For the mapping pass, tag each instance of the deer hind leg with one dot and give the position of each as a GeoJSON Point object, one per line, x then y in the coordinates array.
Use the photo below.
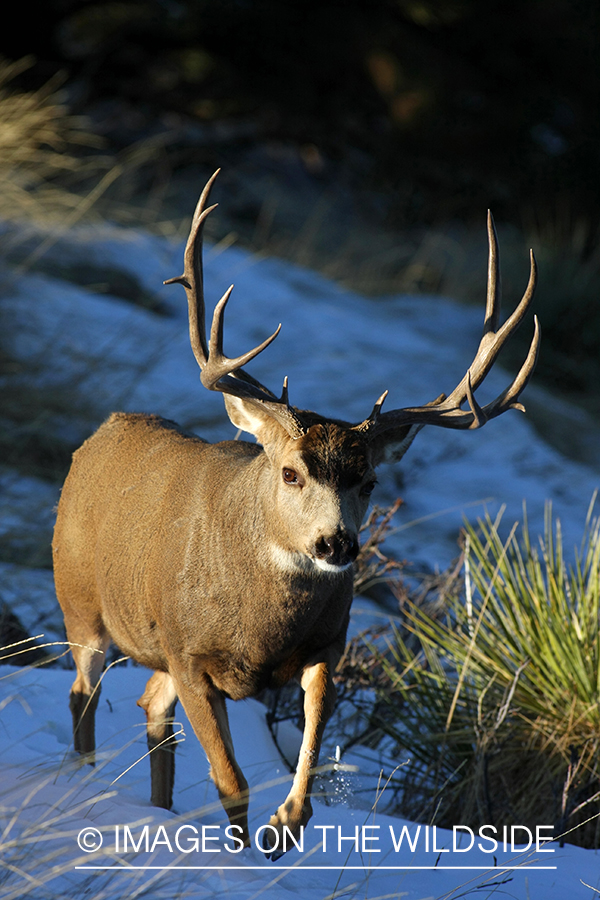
{"type": "Point", "coordinates": [158, 701]}
{"type": "Point", "coordinates": [296, 810]}
{"type": "Point", "coordinates": [206, 710]}
{"type": "Point", "coordinates": [89, 659]}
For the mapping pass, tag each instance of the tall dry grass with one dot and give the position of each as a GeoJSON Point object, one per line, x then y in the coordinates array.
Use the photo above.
{"type": "Point", "coordinates": [42, 149]}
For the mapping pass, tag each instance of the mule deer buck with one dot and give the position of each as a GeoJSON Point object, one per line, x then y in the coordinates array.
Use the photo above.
{"type": "Point", "coordinates": [227, 567]}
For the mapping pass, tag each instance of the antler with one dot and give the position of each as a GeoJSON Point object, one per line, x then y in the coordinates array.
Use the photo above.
{"type": "Point", "coordinates": [447, 411]}
{"type": "Point", "coordinates": [220, 373]}
{"type": "Point", "coordinates": [217, 371]}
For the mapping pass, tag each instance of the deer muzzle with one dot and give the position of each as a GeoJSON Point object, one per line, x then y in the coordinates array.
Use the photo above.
{"type": "Point", "coordinates": [337, 551]}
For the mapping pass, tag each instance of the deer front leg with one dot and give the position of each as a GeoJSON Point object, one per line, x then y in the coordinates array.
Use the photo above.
{"type": "Point", "coordinates": [296, 810]}
{"type": "Point", "coordinates": [158, 701]}
{"type": "Point", "coordinates": [206, 710]}
{"type": "Point", "coordinates": [89, 655]}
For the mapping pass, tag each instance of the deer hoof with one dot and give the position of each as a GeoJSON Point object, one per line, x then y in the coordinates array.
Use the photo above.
{"type": "Point", "coordinates": [271, 852]}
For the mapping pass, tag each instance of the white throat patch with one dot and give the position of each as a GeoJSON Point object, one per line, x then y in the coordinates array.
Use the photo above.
{"type": "Point", "coordinates": [329, 567]}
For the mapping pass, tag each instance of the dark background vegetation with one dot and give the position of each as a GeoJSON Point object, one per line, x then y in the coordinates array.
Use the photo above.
{"type": "Point", "coordinates": [447, 103]}
{"type": "Point", "coordinates": [355, 127]}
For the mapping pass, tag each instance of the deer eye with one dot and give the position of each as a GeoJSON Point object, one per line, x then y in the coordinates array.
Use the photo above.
{"type": "Point", "coordinates": [368, 488]}
{"type": "Point", "coordinates": [290, 476]}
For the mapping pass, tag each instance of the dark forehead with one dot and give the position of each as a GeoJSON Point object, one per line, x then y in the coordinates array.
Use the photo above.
{"type": "Point", "coordinates": [335, 455]}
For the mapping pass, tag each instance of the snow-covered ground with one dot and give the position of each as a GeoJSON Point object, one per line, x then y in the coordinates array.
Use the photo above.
{"type": "Point", "coordinates": [340, 352]}
{"type": "Point", "coordinates": [348, 851]}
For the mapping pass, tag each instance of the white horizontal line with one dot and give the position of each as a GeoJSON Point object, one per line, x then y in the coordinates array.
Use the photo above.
{"type": "Point", "coordinates": [492, 870]}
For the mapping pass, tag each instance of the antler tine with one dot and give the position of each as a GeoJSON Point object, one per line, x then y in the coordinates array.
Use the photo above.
{"type": "Point", "coordinates": [219, 365]}
{"type": "Point", "coordinates": [509, 398]}
{"type": "Point", "coordinates": [193, 276]}
{"type": "Point", "coordinates": [494, 289]}
{"type": "Point", "coordinates": [371, 420]}
{"type": "Point", "coordinates": [447, 411]}
{"type": "Point", "coordinates": [518, 314]}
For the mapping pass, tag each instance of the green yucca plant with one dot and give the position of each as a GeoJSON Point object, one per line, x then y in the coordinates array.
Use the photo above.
{"type": "Point", "coordinates": [498, 699]}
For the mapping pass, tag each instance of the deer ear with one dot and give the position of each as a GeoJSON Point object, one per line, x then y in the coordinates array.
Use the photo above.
{"type": "Point", "coordinates": [391, 445]}
{"type": "Point", "coordinates": [250, 416]}
{"type": "Point", "coordinates": [244, 415]}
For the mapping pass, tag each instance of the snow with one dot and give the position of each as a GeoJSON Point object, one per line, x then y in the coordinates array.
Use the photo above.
{"type": "Point", "coordinates": [340, 352]}
{"type": "Point", "coordinates": [51, 802]}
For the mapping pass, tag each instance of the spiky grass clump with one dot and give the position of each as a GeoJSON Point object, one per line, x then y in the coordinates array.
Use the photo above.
{"type": "Point", "coordinates": [498, 699]}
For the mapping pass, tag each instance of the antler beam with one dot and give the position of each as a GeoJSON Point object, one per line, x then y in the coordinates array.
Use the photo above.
{"type": "Point", "coordinates": [217, 371]}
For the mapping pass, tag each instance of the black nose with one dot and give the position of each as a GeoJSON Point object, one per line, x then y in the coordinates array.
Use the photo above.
{"type": "Point", "coordinates": [337, 550]}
